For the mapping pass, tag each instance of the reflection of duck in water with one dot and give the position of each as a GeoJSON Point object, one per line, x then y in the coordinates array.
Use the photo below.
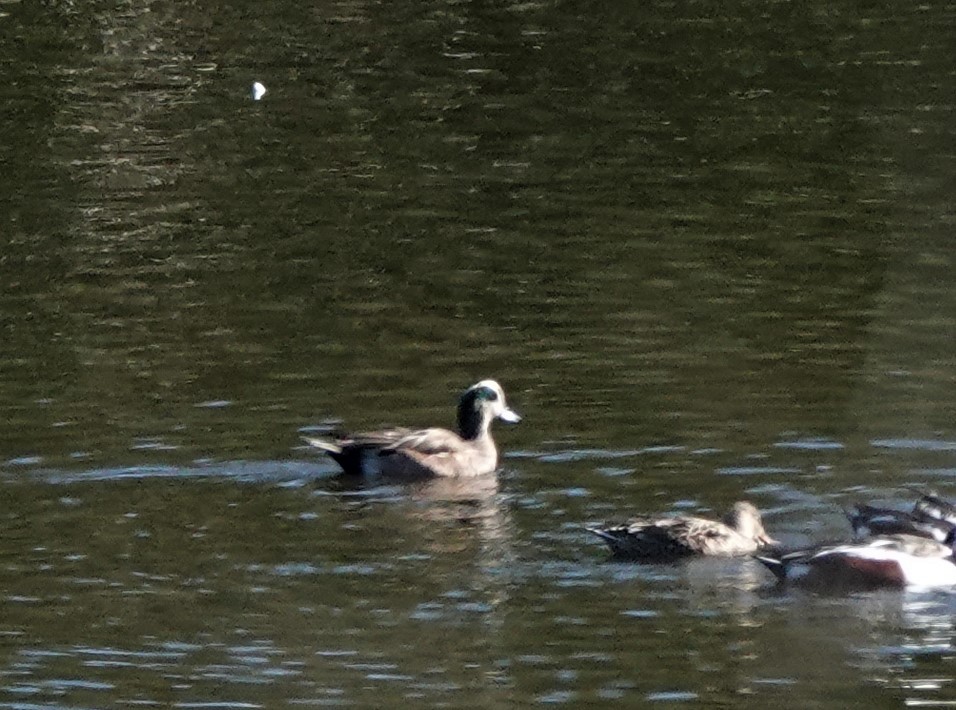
{"type": "Point", "coordinates": [887, 561]}
{"type": "Point", "coordinates": [425, 453]}
{"type": "Point", "coordinates": [740, 533]}
{"type": "Point", "coordinates": [932, 517]}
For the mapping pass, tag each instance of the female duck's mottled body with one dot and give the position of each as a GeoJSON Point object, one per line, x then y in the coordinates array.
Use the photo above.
{"type": "Point", "coordinates": [886, 561]}
{"type": "Point", "coordinates": [740, 533]}
{"type": "Point", "coordinates": [424, 453]}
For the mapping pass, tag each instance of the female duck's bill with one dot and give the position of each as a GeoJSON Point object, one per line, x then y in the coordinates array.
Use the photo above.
{"type": "Point", "coordinates": [740, 533]}
{"type": "Point", "coordinates": [412, 454]}
{"type": "Point", "coordinates": [887, 561]}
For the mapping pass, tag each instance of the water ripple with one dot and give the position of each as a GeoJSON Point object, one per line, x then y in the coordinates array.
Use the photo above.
{"type": "Point", "coordinates": [241, 471]}
{"type": "Point", "coordinates": [918, 444]}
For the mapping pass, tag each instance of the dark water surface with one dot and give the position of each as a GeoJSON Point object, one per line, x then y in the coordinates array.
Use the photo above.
{"type": "Point", "coordinates": [710, 256]}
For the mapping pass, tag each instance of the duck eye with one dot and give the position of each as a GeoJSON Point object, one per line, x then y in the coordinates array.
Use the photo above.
{"type": "Point", "coordinates": [490, 395]}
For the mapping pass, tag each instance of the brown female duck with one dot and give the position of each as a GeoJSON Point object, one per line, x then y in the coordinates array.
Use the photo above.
{"type": "Point", "coordinates": [740, 533]}
{"type": "Point", "coordinates": [425, 453]}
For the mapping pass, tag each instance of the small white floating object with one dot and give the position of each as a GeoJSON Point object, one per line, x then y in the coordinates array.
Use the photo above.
{"type": "Point", "coordinates": [258, 90]}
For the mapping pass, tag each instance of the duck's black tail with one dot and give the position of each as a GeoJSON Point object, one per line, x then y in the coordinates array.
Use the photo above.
{"type": "Point", "coordinates": [775, 565]}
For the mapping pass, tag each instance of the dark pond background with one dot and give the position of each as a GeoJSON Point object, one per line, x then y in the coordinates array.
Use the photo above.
{"type": "Point", "coordinates": [707, 248]}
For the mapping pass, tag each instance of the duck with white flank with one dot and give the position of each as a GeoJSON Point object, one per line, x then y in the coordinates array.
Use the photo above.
{"type": "Point", "coordinates": [886, 561]}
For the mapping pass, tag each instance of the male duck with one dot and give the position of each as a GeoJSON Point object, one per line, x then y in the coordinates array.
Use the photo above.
{"type": "Point", "coordinates": [930, 505]}
{"type": "Point", "coordinates": [932, 517]}
{"type": "Point", "coordinates": [426, 453]}
{"type": "Point", "coordinates": [886, 561]}
{"type": "Point", "coordinates": [740, 533]}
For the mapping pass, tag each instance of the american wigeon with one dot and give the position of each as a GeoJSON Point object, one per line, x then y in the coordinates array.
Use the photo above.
{"type": "Point", "coordinates": [424, 453]}
{"type": "Point", "coordinates": [932, 517]}
{"type": "Point", "coordinates": [740, 533]}
{"type": "Point", "coordinates": [886, 561]}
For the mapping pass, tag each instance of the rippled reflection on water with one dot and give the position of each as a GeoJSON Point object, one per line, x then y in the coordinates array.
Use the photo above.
{"type": "Point", "coordinates": [245, 584]}
{"type": "Point", "coordinates": [707, 252]}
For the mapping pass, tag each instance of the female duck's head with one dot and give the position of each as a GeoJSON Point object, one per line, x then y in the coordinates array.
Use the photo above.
{"type": "Point", "coordinates": [745, 519]}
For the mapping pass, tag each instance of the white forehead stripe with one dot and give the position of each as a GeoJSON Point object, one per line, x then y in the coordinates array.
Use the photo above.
{"type": "Point", "coordinates": [490, 384]}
